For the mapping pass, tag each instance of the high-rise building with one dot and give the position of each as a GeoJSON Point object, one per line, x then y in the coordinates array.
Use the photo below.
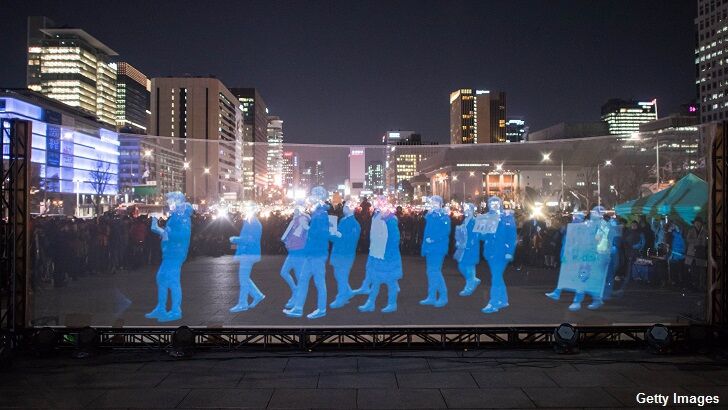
{"type": "Point", "coordinates": [477, 116]}
{"type": "Point", "coordinates": [357, 171]}
{"type": "Point", "coordinates": [711, 82]}
{"type": "Point", "coordinates": [291, 170]}
{"type": "Point", "coordinates": [71, 66]}
{"type": "Point", "coordinates": [312, 175]}
{"type": "Point", "coordinates": [274, 156]}
{"type": "Point", "coordinates": [132, 99]}
{"type": "Point", "coordinates": [375, 177]}
{"type": "Point", "coordinates": [625, 116]}
{"type": "Point", "coordinates": [206, 122]}
{"type": "Point", "coordinates": [148, 170]}
{"type": "Point", "coordinates": [516, 130]}
{"type": "Point", "coordinates": [405, 150]}
{"type": "Point", "coordinates": [255, 137]}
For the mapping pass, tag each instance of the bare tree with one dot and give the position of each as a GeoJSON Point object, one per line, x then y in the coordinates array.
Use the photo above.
{"type": "Point", "coordinates": [100, 178]}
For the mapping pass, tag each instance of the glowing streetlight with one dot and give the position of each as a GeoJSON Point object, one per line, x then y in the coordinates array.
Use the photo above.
{"type": "Point", "coordinates": [607, 163]}
{"type": "Point", "coordinates": [207, 170]}
{"type": "Point", "coordinates": [186, 165]}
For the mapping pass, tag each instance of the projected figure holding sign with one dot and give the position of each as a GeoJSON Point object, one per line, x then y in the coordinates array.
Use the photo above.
{"type": "Point", "coordinates": [467, 252]}
{"type": "Point", "coordinates": [434, 248]}
{"type": "Point", "coordinates": [295, 240]}
{"type": "Point", "coordinates": [248, 254]}
{"type": "Point", "coordinates": [385, 262]}
{"type": "Point", "coordinates": [316, 252]}
{"type": "Point", "coordinates": [585, 260]}
{"type": "Point", "coordinates": [345, 239]}
{"type": "Point", "coordinates": [499, 245]}
{"type": "Point", "coordinates": [175, 243]}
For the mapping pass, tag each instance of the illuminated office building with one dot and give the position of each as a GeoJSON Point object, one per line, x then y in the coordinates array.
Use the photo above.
{"type": "Point", "coordinates": [477, 116]}
{"type": "Point", "coordinates": [274, 156]}
{"type": "Point", "coordinates": [625, 116]}
{"type": "Point", "coordinates": [132, 99]}
{"type": "Point", "coordinates": [375, 177]}
{"type": "Point", "coordinates": [148, 170]}
{"type": "Point", "coordinates": [255, 138]}
{"type": "Point", "coordinates": [312, 175]}
{"type": "Point", "coordinates": [516, 130]}
{"type": "Point", "coordinates": [291, 170]}
{"type": "Point", "coordinates": [711, 26]}
{"type": "Point", "coordinates": [71, 66]}
{"type": "Point", "coordinates": [205, 120]}
{"type": "Point", "coordinates": [404, 152]}
{"type": "Point", "coordinates": [74, 157]}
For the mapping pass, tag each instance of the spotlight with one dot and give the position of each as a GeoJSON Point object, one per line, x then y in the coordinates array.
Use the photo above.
{"type": "Point", "coordinates": [86, 342]}
{"type": "Point", "coordinates": [44, 341]}
{"type": "Point", "coordinates": [659, 339]}
{"type": "Point", "coordinates": [183, 342]}
{"type": "Point", "coordinates": [566, 338]}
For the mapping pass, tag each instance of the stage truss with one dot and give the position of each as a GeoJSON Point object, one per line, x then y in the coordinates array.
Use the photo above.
{"type": "Point", "coordinates": [718, 251]}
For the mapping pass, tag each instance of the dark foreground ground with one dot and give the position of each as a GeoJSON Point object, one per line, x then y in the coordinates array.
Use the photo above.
{"type": "Point", "coordinates": [210, 288]}
{"type": "Point", "coordinates": [355, 379]}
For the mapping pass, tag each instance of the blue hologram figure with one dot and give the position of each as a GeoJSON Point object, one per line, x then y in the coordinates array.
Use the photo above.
{"type": "Point", "coordinates": [599, 249]}
{"type": "Point", "coordinates": [467, 252]}
{"type": "Point", "coordinates": [499, 246]}
{"type": "Point", "coordinates": [294, 239]}
{"type": "Point", "coordinates": [434, 248]}
{"type": "Point", "coordinates": [175, 244]}
{"type": "Point", "coordinates": [248, 254]}
{"type": "Point", "coordinates": [316, 253]}
{"type": "Point", "coordinates": [343, 254]}
{"type": "Point", "coordinates": [384, 263]}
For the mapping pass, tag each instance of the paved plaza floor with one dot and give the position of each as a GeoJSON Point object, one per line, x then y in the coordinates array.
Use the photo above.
{"type": "Point", "coordinates": [419, 379]}
{"type": "Point", "coordinates": [210, 288]}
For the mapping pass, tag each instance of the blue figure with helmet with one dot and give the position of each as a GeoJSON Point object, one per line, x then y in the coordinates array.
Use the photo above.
{"type": "Point", "coordinates": [499, 246]}
{"type": "Point", "coordinates": [316, 253]}
{"type": "Point", "coordinates": [435, 246]}
{"type": "Point", "coordinates": [467, 250]}
{"type": "Point", "coordinates": [384, 264]}
{"type": "Point", "coordinates": [343, 253]}
{"type": "Point", "coordinates": [248, 254]}
{"type": "Point", "coordinates": [175, 244]}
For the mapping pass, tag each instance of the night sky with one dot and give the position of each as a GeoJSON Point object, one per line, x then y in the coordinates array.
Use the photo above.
{"type": "Point", "coordinates": [345, 71]}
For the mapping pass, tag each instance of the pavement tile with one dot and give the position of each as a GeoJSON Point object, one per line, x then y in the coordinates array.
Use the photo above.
{"type": "Point", "coordinates": [253, 364]}
{"type": "Point", "coordinates": [357, 380]}
{"type": "Point", "coordinates": [71, 398]}
{"type": "Point", "coordinates": [108, 380]}
{"type": "Point", "coordinates": [219, 398]}
{"type": "Point", "coordinates": [717, 377]}
{"type": "Point", "coordinates": [313, 398]}
{"type": "Point", "coordinates": [181, 366]}
{"type": "Point", "coordinates": [435, 380]}
{"type": "Point", "coordinates": [513, 378]}
{"type": "Point", "coordinates": [590, 378]}
{"type": "Point", "coordinates": [667, 378]}
{"type": "Point", "coordinates": [23, 399]}
{"type": "Point", "coordinates": [220, 379]}
{"type": "Point", "coordinates": [399, 399]}
{"type": "Point", "coordinates": [490, 398]}
{"type": "Point", "coordinates": [367, 364]}
{"type": "Point", "coordinates": [570, 397]}
{"type": "Point", "coordinates": [140, 398]}
{"type": "Point", "coordinates": [279, 381]}
{"type": "Point", "coordinates": [322, 364]}
{"type": "Point", "coordinates": [627, 395]}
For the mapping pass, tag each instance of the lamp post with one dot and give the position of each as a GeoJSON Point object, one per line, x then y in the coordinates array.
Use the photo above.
{"type": "Point", "coordinates": [599, 180]}
{"type": "Point", "coordinates": [78, 188]}
{"type": "Point", "coordinates": [546, 157]}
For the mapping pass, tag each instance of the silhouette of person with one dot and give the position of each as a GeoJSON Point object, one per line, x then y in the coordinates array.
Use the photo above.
{"type": "Point", "coordinates": [434, 248]}
{"type": "Point", "coordinates": [248, 254]}
{"type": "Point", "coordinates": [467, 253]}
{"type": "Point", "coordinates": [343, 254]}
{"type": "Point", "coordinates": [499, 247]}
{"type": "Point", "coordinates": [294, 239]}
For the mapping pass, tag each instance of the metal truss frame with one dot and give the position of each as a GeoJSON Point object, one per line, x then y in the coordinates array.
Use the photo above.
{"type": "Point", "coordinates": [717, 305]}
{"type": "Point", "coordinates": [374, 338]}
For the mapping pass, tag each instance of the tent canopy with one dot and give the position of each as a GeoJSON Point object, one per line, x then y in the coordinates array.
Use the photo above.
{"type": "Point", "coordinates": [683, 201]}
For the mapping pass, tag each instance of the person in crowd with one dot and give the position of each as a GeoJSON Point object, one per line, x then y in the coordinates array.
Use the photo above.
{"type": "Point", "coordinates": [384, 263]}
{"type": "Point", "coordinates": [434, 249]}
{"type": "Point", "coordinates": [696, 256]}
{"type": "Point", "coordinates": [294, 239]}
{"type": "Point", "coordinates": [499, 245]}
{"type": "Point", "coordinates": [247, 253]}
{"type": "Point", "coordinates": [532, 237]}
{"type": "Point", "coordinates": [676, 258]}
{"type": "Point", "coordinates": [316, 253]}
{"type": "Point", "coordinates": [343, 253]}
{"type": "Point", "coordinates": [633, 241]}
{"type": "Point", "coordinates": [467, 253]}
{"type": "Point", "coordinates": [648, 234]}
{"type": "Point", "coordinates": [175, 243]}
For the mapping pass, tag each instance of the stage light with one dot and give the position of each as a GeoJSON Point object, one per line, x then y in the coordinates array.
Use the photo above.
{"type": "Point", "coordinates": [86, 342]}
{"type": "Point", "coordinates": [44, 341]}
{"type": "Point", "coordinates": [183, 342]}
{"type": "Point", "coordinates": [566, 339]}
{"type": "Point", "coordinates": [659, 338]}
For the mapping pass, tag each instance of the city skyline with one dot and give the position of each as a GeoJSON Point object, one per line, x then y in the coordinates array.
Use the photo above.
{"type": "Point", "coordinates": [658, 65]}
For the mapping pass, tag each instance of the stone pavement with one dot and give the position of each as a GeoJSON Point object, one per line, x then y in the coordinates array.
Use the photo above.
{"type": "Point", "coordinates": [359, 379]}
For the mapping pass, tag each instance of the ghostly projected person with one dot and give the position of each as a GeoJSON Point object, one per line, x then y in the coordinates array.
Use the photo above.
{"type": "Point", "coordinates": [499, 246]}
{"type": "Point", "coordinates": [384, 263]}
{"type": "Point", "coordinates": [175, 243]}
{"type": "Point", "coordinates": [316, 252]}
{"type": "Point", "coordinates": [248, 254]}
{"type": "Point", "coordinates": [343, 253]}
{"type": "Point", "coordinates": [467, 250]}
{"type": "Point", "coordinates": [436, 241]}
{"type": "Point", "coordinates": [294, 239]}
{"type": "Point", "coordinates": [585, 260]}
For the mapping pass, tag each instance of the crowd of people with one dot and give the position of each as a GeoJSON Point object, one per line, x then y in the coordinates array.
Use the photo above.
{"type": "Point", "coordinates": [659, 252]}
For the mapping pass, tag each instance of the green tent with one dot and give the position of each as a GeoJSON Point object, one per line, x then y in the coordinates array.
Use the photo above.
{"type": "Point", "coordinates": [683, 201]}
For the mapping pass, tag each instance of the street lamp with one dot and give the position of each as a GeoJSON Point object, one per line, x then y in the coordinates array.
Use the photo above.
{"type": "Point", "coordinates": [78, 188]}
{"type": "Point", "coordinates": [599, 180]}
{"type": "Point", "coordinates": [546, 157]}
